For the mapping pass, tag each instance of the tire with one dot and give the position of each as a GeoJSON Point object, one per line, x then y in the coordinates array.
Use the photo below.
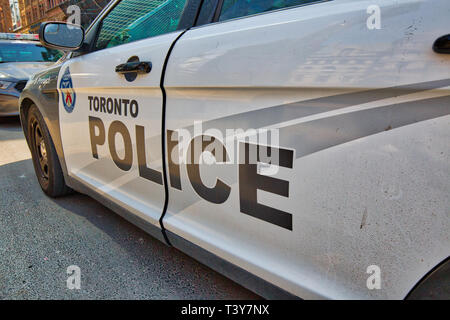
{"type": "Point", "coordinates": [45, 159]}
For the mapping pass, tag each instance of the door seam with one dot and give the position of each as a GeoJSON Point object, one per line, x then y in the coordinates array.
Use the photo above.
{"type": "Point", "coordinates": [164, 138]}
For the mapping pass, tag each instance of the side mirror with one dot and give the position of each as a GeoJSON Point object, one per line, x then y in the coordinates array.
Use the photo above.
{"type": "Point", "coordinates": [61, 35]}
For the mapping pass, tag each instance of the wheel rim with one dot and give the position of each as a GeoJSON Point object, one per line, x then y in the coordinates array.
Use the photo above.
{"type": "Point", "coordinates": [40, 150]}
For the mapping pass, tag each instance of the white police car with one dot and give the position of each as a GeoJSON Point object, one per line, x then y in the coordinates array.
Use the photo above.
{"type": "Point", "coordinates": [299, 147]}
{"type": "Point", "coordinates": [20, 56]}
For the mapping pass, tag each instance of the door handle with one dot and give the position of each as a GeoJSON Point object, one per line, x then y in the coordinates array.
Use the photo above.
{"type": "Point", "coordinates": [442, 44]}
{"type": "Point", "coordinates": [134, 67]}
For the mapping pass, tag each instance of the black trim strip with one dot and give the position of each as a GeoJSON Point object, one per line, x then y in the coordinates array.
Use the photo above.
{"type": "Point", "coordinates": [199, 9]}
{"type": "Point", "coordinates": [163, 138]}
{"type": "Point", "coordinates": [209, 15]}
{"type": "Point", "coordinates": [190, 14]}
{"type": "Point", "coordinates": [218, 11]}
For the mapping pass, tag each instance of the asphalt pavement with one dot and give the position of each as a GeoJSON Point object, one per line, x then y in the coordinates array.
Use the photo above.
{"type": "Point", "coordinates": [41, 237]}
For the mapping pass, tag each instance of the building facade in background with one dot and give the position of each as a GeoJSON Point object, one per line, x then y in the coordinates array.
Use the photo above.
{"type": "Point", "coordinates": [34, 12]}
{"type": "Point", "coordinates": [5, 16]}
{"type": "Point", "coordinates": [26, 16]}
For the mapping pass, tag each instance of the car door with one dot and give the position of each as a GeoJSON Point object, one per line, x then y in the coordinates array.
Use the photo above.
{"type": "Point", "coordinates": [354, 110]}
{"type": "Point", "coordinates": [111, 121]}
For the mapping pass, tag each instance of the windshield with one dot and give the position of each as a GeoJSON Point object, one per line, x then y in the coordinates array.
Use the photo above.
{"type": "Point", "coordinates": [27, 52]}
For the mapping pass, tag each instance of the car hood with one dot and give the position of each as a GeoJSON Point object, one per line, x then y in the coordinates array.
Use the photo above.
{"type": "Point", "coordinates": [21, 70]}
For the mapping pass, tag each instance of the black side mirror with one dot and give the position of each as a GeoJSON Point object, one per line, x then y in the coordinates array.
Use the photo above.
{"type": "Point", "coordinates": [61, 36]}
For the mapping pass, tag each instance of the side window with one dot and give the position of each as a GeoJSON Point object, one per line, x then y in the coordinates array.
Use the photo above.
{"type": "Point", "coordinates": [133, 20]}
{"type": "Point", "coordinates": [240, 8]}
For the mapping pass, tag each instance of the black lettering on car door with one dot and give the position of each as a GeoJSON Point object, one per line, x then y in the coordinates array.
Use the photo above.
{"type": "Point", "coordinates": [250, 181]}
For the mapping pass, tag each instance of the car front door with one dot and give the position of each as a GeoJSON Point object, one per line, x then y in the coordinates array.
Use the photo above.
{"type": "Point", "coordinates": [110, 119]}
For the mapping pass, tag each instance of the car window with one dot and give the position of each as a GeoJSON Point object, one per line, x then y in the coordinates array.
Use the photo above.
{"type": "Point", "coordinates": [133, 20]}
{"type": "Point", "coordinates": [240, 8]}
{"type": "Point", "coordinates": [27, 52]}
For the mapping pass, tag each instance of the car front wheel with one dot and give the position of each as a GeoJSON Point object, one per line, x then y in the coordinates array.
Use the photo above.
{"type": "Point", "coordinates": [45, 159]}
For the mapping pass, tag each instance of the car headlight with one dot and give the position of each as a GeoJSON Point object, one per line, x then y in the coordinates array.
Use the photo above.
{"type": "Point", "coordinates": [5, 84]}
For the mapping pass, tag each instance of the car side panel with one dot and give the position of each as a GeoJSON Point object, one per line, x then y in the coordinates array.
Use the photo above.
{"type": "Point", "coordinates": [365, 114]}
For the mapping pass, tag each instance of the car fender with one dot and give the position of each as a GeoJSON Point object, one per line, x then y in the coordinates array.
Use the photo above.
{"type": "Point", "coordinates": [42, 91]}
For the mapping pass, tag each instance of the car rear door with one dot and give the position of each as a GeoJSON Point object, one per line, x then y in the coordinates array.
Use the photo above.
{"type": "Point", "coordinates": [355, 110]}
{"type": "Point", "coordinates": [111, 121]}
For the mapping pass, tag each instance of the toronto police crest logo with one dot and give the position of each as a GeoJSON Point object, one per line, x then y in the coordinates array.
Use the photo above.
{"type": "Point", "coordinates": [67, 92]}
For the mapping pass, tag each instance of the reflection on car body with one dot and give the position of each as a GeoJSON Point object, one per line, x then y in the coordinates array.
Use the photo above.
{"type": "Point", "coordinates": [20, 59]}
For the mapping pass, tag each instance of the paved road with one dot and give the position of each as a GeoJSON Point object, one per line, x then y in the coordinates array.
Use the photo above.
{"type": "Point", "coordinates": [40, 237]}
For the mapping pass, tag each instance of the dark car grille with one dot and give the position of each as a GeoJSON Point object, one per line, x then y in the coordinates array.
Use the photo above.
{"type": "Point", "coordinates": [20, 85]}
